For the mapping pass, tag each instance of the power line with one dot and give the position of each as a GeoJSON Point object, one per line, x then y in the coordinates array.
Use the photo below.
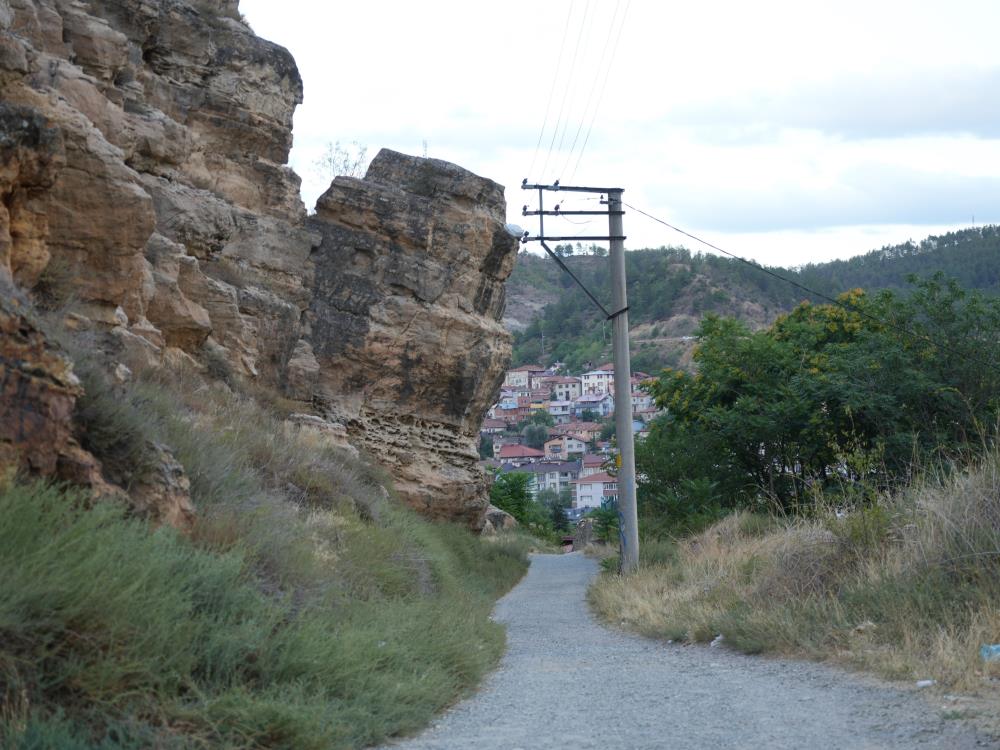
{"type": "Point", "coordinates": [604, 85]}
{"type": "Point", "coordinates": [900, 328]}
{"type": "Point", "coordinates": [574, 85]}
{"type": "Point", "coordinates": [593, 87]}
{"type": "Point", "coordinates": [552, 91]}
{"type": "Point", "coordinates": [562, 104]}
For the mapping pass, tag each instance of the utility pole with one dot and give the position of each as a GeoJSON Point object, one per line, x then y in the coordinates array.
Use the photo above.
{"type": "Point", "coordinates": [628, 522]}
{"type": "Point", "coordinates": [628, 516]}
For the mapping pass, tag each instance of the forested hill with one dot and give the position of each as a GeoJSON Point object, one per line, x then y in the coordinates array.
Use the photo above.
{"type": "Point", "coordinates": [670, 289]}
{"type": "Point", "coordinates": [971, 256]}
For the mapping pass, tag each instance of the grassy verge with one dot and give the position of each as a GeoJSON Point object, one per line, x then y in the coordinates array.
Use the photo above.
{"type": "Point", "coordinates": [306, 610]}
{"type": "Point", "coordinates": [908, 588]}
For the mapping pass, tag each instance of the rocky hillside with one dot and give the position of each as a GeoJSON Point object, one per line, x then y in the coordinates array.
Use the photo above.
{"type": "Point", "coordinates": [144, 194]}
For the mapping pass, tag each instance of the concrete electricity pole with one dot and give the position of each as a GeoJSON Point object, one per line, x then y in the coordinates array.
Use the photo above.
{"type": "Point", "coordinates": [628, 522]}
{"type": "Point", "coordinates": [628, 517]}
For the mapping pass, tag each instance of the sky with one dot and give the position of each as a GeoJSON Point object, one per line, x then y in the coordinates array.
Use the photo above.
{"type": "Point", "coordinates": [786, 132]}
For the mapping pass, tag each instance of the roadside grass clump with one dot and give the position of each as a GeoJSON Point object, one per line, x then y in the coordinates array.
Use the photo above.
{"type": "Point", "coordinates": [906, 586]}
{"type": "Point", "coordinates": [307, 608]}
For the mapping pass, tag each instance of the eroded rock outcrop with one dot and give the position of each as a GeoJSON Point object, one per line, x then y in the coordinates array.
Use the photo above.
{"type": "Point", "coordinates": [160, 191]}
{"type": "Point", "coordinates": [405, 321]}
{"type": "Point", "coordinates": [143, 178]}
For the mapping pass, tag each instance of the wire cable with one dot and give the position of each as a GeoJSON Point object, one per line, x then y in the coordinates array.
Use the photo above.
{"type": "Point", "coordinates": [900, 328]}
{"type": "Point", "coordinates": [593, 87]}
{"type": "Point", "coordinates": [575, 83]}
{"type": "Point", "coordinates": [552, 91]}
{"type": "Point", "coordinates": [604, 85]}
{"type": "Point", "coordinates": [562, 105]}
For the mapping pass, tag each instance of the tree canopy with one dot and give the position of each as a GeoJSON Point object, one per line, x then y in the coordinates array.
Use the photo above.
{"type": "Point", "coordinates": [829, 396]}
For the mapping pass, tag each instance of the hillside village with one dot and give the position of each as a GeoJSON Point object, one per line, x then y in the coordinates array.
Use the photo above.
{"type": "Point", "coordinates": [557, 428]}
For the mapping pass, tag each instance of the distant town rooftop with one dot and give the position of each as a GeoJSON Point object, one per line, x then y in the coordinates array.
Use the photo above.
{"type": "Point", "coordinates": [602, 477]}
{"type": "Point", "coordinates": [520, 451]}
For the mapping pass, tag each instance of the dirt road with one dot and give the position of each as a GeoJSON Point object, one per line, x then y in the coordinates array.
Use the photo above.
{"type": "Point", "coordinates": [568, 682]}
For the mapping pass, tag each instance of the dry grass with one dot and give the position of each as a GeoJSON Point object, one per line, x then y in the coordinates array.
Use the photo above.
{"type": "Point", "coordinates": [908, 588]}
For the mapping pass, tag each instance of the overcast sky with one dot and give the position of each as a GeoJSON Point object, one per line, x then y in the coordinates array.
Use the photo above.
{"type": "Point", "coordinates": [788, 132]}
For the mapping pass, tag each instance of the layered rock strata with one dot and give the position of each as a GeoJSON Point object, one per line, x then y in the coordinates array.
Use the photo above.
{"type": "Point", "coordinates": [143, 185]}
{"type": "Point", "coordinates": [405, 321]}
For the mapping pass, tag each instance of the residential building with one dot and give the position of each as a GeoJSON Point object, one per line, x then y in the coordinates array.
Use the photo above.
{"type": "Point", "coordinates": [536, 381]}
{"type": "Point", "coordinates": [563, 387]}
{"type": "Point", "coordinates": [508, 400]}
{"type": "Point", "coordinates": [493, 426]}
{"type": "Point", "coordinates": [502, 439]}
{"type": "Point", "coordinates": [561, 411]}
{"type": "Point", "coordinates": [509, 416]}
{"type": "Point", "coordinates": [520, 377]}
{"type": "Point", "coordinates": [563, 446]}
{"type": "Point", "coordinates": [523, 408]}
{"type": "Point", "coordinates": [540, 394]}
{"type": "Point", "coordinates": [585, 431]}
{"type": "Point", "coordinates": [640, 401]}
{"type": "Point", "coordinates": [602, 404]}
{"type": "Point", "coordinates": [548, 475]}
{"type": "Point", "coordinates": [600, 380]}
{"type": "Point", "coordinates": [591, 464]}
{"type": "Point", "coordinates": [518, 455]}
{"type": "Point", "coordinates": [595, 489]}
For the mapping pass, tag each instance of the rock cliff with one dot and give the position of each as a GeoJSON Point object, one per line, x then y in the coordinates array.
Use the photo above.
{"type": "Point", "coordinates": [144, 186]}
{"type": "Point", "coordinates": [405, 321]}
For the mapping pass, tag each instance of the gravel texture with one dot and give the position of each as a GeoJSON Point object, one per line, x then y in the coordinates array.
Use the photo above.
{"type": "Point", "coordinates": [568, 682]}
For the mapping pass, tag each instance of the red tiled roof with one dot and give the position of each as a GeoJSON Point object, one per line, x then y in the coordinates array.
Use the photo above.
{"type": "Point", "coordinates": [602, 477]}
{"type": "Point", "coordinates": [528, 368]}
{"type": "Point", "coordinates": [520, 451]}
{"type": "Point", "coordinates": [592, 460]}
{"type": "Point", "coordinates": [491, 423]}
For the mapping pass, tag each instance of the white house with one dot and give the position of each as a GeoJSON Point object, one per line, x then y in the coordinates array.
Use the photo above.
{"type": "Point", "coordinates": [550, 475]}
{"type": "Point", "coordinates": [593, 490]}
{"type": "Point", "coordinates": [601, 380]}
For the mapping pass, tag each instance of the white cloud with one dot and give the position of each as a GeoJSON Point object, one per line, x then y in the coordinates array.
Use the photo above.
{"type": "Point", "coordinates": [785, 130]}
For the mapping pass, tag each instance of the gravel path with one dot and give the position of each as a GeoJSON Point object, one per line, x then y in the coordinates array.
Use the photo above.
{"type": "Point", "coordinates": [568, 682]}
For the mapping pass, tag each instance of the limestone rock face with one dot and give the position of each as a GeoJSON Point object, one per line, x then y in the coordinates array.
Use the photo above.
{"type": "Point", "coordinates": [405, 321]}
{"type": "Point", "coordinates": [143, 169]}
{"type": "Point", "coordinates": [143, 182]}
